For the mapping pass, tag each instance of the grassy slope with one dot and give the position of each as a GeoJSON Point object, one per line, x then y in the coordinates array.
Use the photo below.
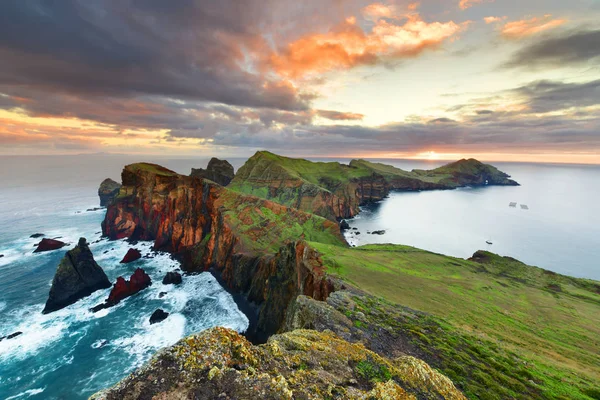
{"type": "Point", "coordinates": [551, 320]}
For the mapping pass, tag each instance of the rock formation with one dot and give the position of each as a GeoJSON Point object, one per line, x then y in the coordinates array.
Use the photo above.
{"type": "Point", "coordinates": [131, 256]}
{"type": "Point", "coordinates": [172, 278]}
{"type": "Point", "coordinates": [158, 316]}
{"type": "Point", "coordinates": [122, 289]}
{"type": "Point", "coordinates": [335, 191]}
{"type": "Point", "coordinates": [219, 171]}
{"type": "Point", "coordinates": [37, 235]}
{"type": "Point", "coordinates": [107, 191]}
{"type": "Point", "coordinates": [249, 242]}
{"type": "Point", "coordinates": [303, 364]}
{"type": "Point", "coordinates": [77, 276]}
{"type": "Point", "coordinates": [49, 245]}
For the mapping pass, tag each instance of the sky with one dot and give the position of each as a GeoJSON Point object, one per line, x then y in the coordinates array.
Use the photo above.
{"type": "Point", "coordinates": [498, 80]}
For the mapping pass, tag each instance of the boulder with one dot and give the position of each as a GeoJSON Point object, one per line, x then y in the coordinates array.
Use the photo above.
{"type": "Point", "coordinates": [172, 278]}
{"type": "Point", "coordinates": [37, 235]}
{"type": "Point", "coordinates": [344, 226]}
{"type": "Point", "coordinates": [1, 255]}
{"type": "Point", "coordinates": [78, 275]}
{"type": "Point", "coordinates": [107, 191]}
{"type": "Point", "coordinates": [123, 288]}
{"type": "Point", "coordinates": [131, 256]}
{"type": "Point", "coordinates": [158, 316]}
{"type": "Point", "coordinates": [12, 335]}
{"type": "Point", "coordinates": [381, 232]}
{"type": "Point", "coordinates": [219, 171]}
{"type": "Point", "coordinates": [48, 245]}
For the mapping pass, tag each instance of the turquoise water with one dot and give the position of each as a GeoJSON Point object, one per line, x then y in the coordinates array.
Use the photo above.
{"type": "Point", "coordinates": [72, 353]}
{"type": "Point", "coordinates": [559, 232]}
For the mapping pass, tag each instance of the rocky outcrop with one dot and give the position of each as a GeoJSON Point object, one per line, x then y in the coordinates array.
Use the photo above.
{"type": "Point", "coordinates": [107, 191]}
{"type": "Point", "coordinates": [131, 256]}
{"type": "Point", "coordinates": [122, 289]}
{"type": "Point", "coordinates": [172, 278]}
{"type": "Point", "coordinates": [11, 336]}
{"type": "Point", "coordinates": [219, 171]}
{"type": "Point", "coordinates": [158, 316]}
{"type": "Point", "coordinates": [335, 191]}
{"type": "Point", "coordinates": [303, 364]}
{"type": "Point", "coordinates": [49, 245]}
{"type": "Point", "coordinates": [250, 243]}
{"type": "Point", "coordinates": [37, 235]}
{"type": "Point", "coordinates": [78, 275]}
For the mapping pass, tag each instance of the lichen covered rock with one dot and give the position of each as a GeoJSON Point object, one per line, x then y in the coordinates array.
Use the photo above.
{"type": "Point", "coordinates": [303, 364]}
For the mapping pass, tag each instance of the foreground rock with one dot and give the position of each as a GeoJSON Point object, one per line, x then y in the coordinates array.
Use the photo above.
{"type": "Point", "coordinates": [107, 191]}
{"type": "Point", "coordinates": [49, 245]}
{"type": "Point", "coordinates": [131, 256]}
{"type": "Point", "coordinates": [78, 275]}
{"type": "Point", "coordinates": [219, 171]}
{"type": "Point", "coordinates": [158, 316]}
{"type": "Point", "coordinates": [303, 364]}
{"type": "Point", "coordinates": [172, 278]}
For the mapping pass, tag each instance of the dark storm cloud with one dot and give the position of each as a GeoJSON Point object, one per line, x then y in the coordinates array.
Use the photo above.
{"type": "Point", "coordinates": [547, 96]}
{"type": "Point", "coordinates": [574, 48]}
{"type": "Point", "coordinates": [186, 49]}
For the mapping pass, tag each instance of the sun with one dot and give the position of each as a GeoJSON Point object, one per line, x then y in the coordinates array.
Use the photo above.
{"type": "Point", "coordinates": [428, 155]}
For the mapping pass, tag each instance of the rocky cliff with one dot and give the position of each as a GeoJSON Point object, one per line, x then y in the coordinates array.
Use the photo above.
{"type": "Point", "coordinates": [78, 275]}
{"type": "Point", "coordinates": [335, 191]}
{"type": "Point", "coordinates": [303, 364]}
{"type": "Point", "coordinates": [107, 191]}
{"type": "Point", "coordinates": [254, 245]}
{"type": "Point", "coordinates": [219, 171]}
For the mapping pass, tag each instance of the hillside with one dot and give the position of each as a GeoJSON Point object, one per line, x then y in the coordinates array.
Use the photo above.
{"type": "Point", "coordinates": [497, 328]}
{"type": "Point", "coordinates": [335, 191]}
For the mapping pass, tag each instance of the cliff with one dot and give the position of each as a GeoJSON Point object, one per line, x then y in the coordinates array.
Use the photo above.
{"type": "Point", "coordinates": [219, 171]}
{"type": "Point", "coordinates": [78, 275]}
{"type": "Point", "coordinates": [303, 364]}
{"type": "Point", "coordinates": [251, 243]}
{"type": "Point", "coordinates": [335, 191]}
{"type": "Point", "coordinates": [107, 191]}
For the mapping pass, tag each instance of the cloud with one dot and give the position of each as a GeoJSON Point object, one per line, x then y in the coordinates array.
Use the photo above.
{"type": "Point", "coordinates": [574, 48]}
{"type": "Point", "coordinates": [340, 116]}
{"type": "Point", "coordinates": [348, 45]}
{"type": "Point", "coordinates": [548, 96]}
{"type": "Point", "coordinates": [491, 20]}
{"type": "Point", "coordinates": [528, 27]}
{"type": "Point", "coordinates": [464, 4]}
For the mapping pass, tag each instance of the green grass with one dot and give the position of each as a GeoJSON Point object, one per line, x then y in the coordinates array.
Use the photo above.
{"type": "Point", "coordinates": [501, 302]}
{"type": "Point", "coordinates": [153, 168]}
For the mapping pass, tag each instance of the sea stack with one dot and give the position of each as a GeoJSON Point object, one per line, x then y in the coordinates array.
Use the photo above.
{"type": "Point", "coordinates": [107, 191]}
{"type": "Point", "coordinates": [78, 275]}
{"type": "Point", "coordinates": [219, 171]}
{"type": "Point", "coordinates": [49, 245]}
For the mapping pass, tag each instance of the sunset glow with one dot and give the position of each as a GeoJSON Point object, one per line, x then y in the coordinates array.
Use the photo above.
{"type": "Point", "coordinates": [471, 78]}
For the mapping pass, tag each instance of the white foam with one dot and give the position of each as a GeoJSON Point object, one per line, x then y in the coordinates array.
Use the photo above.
{"type": "Point", "coordinates": [28, 393]}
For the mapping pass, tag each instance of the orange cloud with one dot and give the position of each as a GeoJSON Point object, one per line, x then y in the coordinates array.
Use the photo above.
{"type": "Point", "coordinates": [340, 116]}
{"type": "Point", "coordinates": [348, 46]}
{"type": "Point", "coordinates": [378, 10]}
{"type": "Point", "coordinates": [491, 20]}
{"type": "Point", "coordinates": [531, 26]}
{"type": "Point", "coordinates": [464, 4]}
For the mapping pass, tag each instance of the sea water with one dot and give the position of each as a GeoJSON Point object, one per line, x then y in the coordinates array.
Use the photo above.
{"type": "Point", "coordinates": [72, 353]}
{"type": "Point", "coordinates": [560, 230]}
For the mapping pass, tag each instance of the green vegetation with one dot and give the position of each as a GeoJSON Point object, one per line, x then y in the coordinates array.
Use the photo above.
{"type": "Point", "coordinates": [152, 168]}
{"type": "Point", "coordinates": [498, 327]}
{"type": "Point", "coordinates": [372, 371]}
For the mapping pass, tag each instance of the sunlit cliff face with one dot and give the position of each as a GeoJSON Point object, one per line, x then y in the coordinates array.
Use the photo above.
{"type": "Point", "coordinates": [340, 78]}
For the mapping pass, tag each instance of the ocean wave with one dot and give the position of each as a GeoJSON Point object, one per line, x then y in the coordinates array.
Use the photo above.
{"type": "Point", "coordinates": [28, 393]}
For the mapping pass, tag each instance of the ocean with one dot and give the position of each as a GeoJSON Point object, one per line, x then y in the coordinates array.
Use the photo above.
{"type": "Point", "coordinates": [72, 353]}
{"type": "Point", "coordinates": [560, 230]}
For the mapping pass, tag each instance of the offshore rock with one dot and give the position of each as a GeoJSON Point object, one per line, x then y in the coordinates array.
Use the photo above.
{"type": "Point", "coordinates": [78, 275]}
{"type": "Point", "coordinates": [219, 171]}
{"type": "Point", "coordinates": [172, 278]}
{"type": "Point", "coordinates": [107, 191]}
{"type": "Point", "coordinates": [131, 256]}
{"type": "Point", "coordinates": [158, 316]}
{"type": "Point", "coordinates": [49, 245]}
{"type": "Point", "coordinates": [37, 235]}
{"type": "Point", "coordinates": [123, 288]}
{"type": "Point", "coordinates": [303, 364]}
